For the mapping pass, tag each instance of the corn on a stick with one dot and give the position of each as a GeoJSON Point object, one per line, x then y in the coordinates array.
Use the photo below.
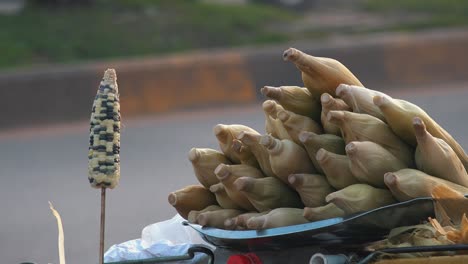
{"type": "Point", "coordinates": [104, 144]}
{"type": "Point", "coordinates": [104, 138]}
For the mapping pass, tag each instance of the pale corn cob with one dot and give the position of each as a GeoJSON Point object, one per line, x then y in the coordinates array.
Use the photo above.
{"type": "Point", "coordinates": [104, 137]}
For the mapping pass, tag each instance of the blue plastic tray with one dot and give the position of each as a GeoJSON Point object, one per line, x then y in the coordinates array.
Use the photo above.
{"type": "Point", "coordinates": [347, 231]}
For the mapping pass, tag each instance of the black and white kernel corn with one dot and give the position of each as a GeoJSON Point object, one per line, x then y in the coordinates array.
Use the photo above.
{"type": "Point", "coordinates": [104, 134]}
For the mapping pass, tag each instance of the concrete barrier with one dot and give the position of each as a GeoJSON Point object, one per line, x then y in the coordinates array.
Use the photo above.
{"type": "Point", "coordinates": [155, 85]}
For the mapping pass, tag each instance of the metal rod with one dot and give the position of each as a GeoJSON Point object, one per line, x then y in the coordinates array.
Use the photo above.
{"type": "Point", "coordinates": [103, 224]}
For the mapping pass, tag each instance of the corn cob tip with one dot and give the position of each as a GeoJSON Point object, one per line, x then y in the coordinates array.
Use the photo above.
{"type": "Point", "coordinates": [194, 155]}
{"type": "Point", "coordinates": [336, 116]}
{"type": "Point", "coordinates": [291, 54]}
{"type": "Point", "coordinates": [271, 92]}
{"type": "Point", "coordinates": [321, 154]}
{"type": "Point", "coordinates": [222, 171]}
{"type": "Point", "coordinates": [330, 198]}
{"type": "Point", "coordinates": [243, 184]}
{"type": "Point", "coordinates": [283, 115]}
{"type": "Point", "coordinates": [172, 199]}
{"type": "Point", "coordinates": [379, 100]}
{"type": "Point", "coordinates": [351, 148]}
{"type": "Point", "coordinates": [241, 135]}
{"type": "Point", "coordinates": [219, 129]}
{"type": "Point", "coordinates": [222, 133]}
{"type": "Point", "coordinates": [266, 88]}
{"type": "Point", "coordinates": [294, 180]}
{"type": "Point", "coordinates": [215, 188]}
{"type": "Point", "coordinates": [341, 90]}
{"type": "Point", "coordinates": [256, 222]}
{"type": "Point", "coordinates": [269, 106]}
{"type": "Point", "coordinates": [110, 75]}
{"type": "Point", "coordinates": [110, 79]}
{"type": "Point", "coordinates": [230, 223]}
{"type": "Point", "coordinates": [192, 217]}
{"type": "Point", "coordinates": [419, 127]}
{"type": "Point", "coordinates": [390, 179]}
{"type": "Point", "coordinates": [202, 219]}
{"type": "Point", "coordinates": [237, 146]}
{"type": "Point", "coordinates": [248, 138]}
{"type": "Point", "coordinates": [268, 141]}
{"type": "Point", "coordinates": [325, 98]}
{"type": "Point", "coordinates": [304, 136]}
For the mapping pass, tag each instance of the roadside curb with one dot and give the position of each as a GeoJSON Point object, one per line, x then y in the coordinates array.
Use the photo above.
{"type": "Point", "coordinates": [156, 85]}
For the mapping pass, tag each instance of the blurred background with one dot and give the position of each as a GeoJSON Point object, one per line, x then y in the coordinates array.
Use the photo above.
{"type": "Point", "coordinates": [38, 32]}
{"type": "Point", "coordinates": [183, 67]}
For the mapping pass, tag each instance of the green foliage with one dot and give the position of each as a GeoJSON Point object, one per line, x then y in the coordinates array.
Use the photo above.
{"type": "Point", "coordinates": [122, 28]}
{"type": "Point", "coordinates": [440, 13]}
{"type": "Point", "coordinates": [426, 6]}
{"type": "Point", "coordinates": [128, 28]}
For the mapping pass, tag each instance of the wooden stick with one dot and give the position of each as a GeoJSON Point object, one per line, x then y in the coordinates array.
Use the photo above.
{"type": "Point", "coordinates": [103, 222]}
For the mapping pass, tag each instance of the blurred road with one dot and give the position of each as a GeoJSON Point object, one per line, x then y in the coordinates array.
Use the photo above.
{"type": "Point", "coordinates": [50, 164]}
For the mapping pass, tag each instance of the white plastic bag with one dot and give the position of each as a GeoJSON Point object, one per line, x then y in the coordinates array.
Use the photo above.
{"type": "Point", "coordinates": [162, 239]}
{"type": "Point", "coordinates": [171, 232]}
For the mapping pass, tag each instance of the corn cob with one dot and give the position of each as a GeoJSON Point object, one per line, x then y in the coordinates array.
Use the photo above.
{"type": "Point", "coordinates": [329, 103]}
{"type": "Point", "coordinates": [240, 222]}
{"type": "Point", "coordinates": [225, 134]}
{"type": "Point", "coordinates": [268, 193]}
{"type": "Point", "coordinates": [336, 168]}
{"type": "Point", "coordinates": [313, 142]}
{"type": "Point", "coordinates": [204, 161]}
{"type": "Point", "coordinates": [244, 153]}
{"type": "Point", "coordinates": [360, 197]}
{"type": "Point", "coordinates": [277, 217]}
{"type": "Point", "coordinates": [368, 162]}
{"type": "Point", "coordinates": [360, 99]}
{"type": "Point", "coordinates": [399, 115]}
{"type": "Point", "coordinates": [227, 174]}
{"type": "Point", "coordinates": [273, 125]}
{"type": "Point", "coordinates": [104, 138]}
{"type": "Point", "coordinates": [320, 75]}
{"type": "Point", "coordinates": [222, 197]}
{"type": "Point", "coordinates": [435, 157]}
{"type": "Point", "coordinates": [193, 215]}
{"type": "Point", "coordinates": [252, 141]}
{"type": "Point", "coordinates": [286, 157]}
{"type": "Point", "coordinates": [364, 127]}
{"type": "Point", "coordinates": [323, 212]}
{"type": "Point", "coordinates": [312, 188]}
{"type": "Point", "coordinates": [217, 218]}
{"type": "Point", "coordinates": [407, 184]}
{"type": "Point", "coordinates": [294, 124]}
{"type": "Point", "coordinates": [191, 197]}
{"type": "Point", "coordinates": [295, 99]}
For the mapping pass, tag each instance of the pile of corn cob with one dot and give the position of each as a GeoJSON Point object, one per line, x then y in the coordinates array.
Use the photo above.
{"type": "Point", "coordinates": [329, 149]}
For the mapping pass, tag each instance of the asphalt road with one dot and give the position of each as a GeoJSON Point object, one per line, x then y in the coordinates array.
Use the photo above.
{"type": "Point", "coordinates": [50, 164]}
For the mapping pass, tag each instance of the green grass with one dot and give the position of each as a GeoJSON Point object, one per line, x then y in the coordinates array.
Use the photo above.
{"type": "Point", "coordinates": [131, 28]}
{"type": "Point", "coordinates": [123, 28]}
{"type": "Point", "coordinates": [441, 13]}
{"type": "Point", "coordinates": [428, 6]}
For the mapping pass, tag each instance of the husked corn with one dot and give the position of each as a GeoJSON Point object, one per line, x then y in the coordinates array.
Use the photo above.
{"type": "Point", "coordinates": [104, 134]}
